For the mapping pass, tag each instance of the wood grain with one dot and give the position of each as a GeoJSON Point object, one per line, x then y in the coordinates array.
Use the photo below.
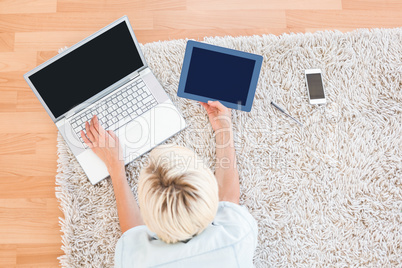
{"type": "Point", "coordinates": [216, 19]}
{"type": "Point", "coordinates": [72, 21]}
{"type": "Point", "coordinates": [15, 61]}
{"type": "Point", "coordinates": [13, 81]}
{"type": "Point", "coordinates": [29, 219]}
{"type": "Point", "coordinates": [264, 5]}
{"type": "Point", "coordinates": [344, 18]}
{"type": "Point", "coordinates": [38, 255]}
{"type": "Point", "coordinates": [390, 5]}
{"type": "Point", "coordinates": [31, 32]}
{"type": "Point", "coordinates": [27, 6]}
{"type": "Point", "coordinates": [6, 42]}
{"type": "Point", "coordinates": [8, 101]}
{"type": "Point", "coordinates": [119, 6]}
{"type": "Point", "coordinates": [8, 255]}
{"type": "Point", "coordinates": [26, 122]}
{"type": "Point", "coordinates": [47, 40]}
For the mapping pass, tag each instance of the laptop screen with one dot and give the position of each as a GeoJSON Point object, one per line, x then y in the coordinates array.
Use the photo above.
{"type": "Point", "coordinates": [87, 70]}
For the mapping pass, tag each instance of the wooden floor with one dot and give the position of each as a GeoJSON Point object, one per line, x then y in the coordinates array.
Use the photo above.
{"type": "Point", "coordinates": [31, 31]}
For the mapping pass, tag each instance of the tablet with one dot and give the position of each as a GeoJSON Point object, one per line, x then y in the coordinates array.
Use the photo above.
{"type": "Point", "coordinates": [215, 73]}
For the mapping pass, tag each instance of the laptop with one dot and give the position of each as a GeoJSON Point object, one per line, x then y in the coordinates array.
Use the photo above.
{"type": "Point", "coordinates": [106, 75]}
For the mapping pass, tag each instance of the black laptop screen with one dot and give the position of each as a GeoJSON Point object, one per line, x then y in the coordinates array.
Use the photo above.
{"type": "Point", "coordinates": [87, 70]}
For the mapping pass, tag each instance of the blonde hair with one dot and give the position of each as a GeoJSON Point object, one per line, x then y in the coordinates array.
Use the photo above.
{"type": "Point", "coordinates": [177, 193]}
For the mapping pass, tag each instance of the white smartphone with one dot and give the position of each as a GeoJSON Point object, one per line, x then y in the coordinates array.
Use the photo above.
{"type": "Point", "coordinates": [315, 87]}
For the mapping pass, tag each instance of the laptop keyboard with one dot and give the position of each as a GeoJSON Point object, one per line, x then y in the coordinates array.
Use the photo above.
{"type": "Point", "coordinates": [117, 109]}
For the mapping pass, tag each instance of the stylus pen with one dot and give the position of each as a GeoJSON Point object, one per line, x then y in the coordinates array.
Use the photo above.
{"type": "Point", "coordinates": [283, 111]}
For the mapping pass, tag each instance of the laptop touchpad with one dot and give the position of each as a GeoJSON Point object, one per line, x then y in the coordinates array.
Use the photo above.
{"type": "Point", "coordinates": [134, 135]}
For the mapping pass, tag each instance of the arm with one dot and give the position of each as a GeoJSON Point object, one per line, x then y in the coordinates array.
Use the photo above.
{"type": "Point", "coordinates": [226, 169]}
{"type": "Point", "coordinates": [127, 207]}
{"type": "Point", "coordinates": [105, 145]}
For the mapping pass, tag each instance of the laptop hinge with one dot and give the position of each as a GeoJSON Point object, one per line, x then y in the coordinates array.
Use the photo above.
{"type": "Point", "coordinates": [144, 70]}
{"type": "Point", "coordinates": [135, 76]}
{"type": "Point", "coordinates": [81, 107]}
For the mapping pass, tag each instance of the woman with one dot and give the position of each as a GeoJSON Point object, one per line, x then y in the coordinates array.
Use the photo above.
{"type": "Point", "coordinates": [189, 217]}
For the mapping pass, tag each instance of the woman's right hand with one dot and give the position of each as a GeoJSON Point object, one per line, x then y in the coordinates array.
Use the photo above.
{"type": "Point", "coordinates": [218, 114]}
{"type": "Point", "coordinates": [104, 143]}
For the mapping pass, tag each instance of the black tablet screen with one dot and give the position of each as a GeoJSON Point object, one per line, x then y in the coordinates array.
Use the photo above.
{"type": "Point", "coordinates": [220, 76]}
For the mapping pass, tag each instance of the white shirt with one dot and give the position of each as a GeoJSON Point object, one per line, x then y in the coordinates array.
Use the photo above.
{"type": "Point", "coordinates": [230, 241]}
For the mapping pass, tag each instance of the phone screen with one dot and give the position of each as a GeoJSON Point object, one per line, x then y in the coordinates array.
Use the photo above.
{"type": "Point", "coordinates": [315, 87]}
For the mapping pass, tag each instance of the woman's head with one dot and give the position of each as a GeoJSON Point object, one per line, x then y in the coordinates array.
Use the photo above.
{"type": "Point", "coordinates": [178, 194]}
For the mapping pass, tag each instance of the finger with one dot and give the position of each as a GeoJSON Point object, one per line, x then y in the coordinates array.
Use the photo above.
{"type": "Point", "coordinates": [206, 106]}
{"type": "Point", "coordinates": [112, 140]}
{"type": "Point", "coordinates": [217, 105]}
{"type": "Point", "coordinates": [86, 140]}
{"type": "Point", "coordinates": [211, 109]}
{"type": "Point", "coordinates": [98, 126]}
{"type": "Point", "coordinates": [92, 125]}
{"type": "Point", "coordinates": [113, 135]}
{"type": "Point", "coordinates": [89, 132]}
{"type": "Point", "coordinates": [93, 130]}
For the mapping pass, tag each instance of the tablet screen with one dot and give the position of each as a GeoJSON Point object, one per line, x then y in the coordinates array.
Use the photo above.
{"type": "Point", "coordinates": [219, 76]}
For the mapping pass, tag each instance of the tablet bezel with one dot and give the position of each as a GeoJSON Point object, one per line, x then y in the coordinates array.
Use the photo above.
{"type": "Point", "coordinates": [253, 83]}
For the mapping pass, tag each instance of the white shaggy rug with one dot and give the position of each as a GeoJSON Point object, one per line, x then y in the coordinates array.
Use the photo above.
{"type": "Point", "coordinates": [328, 194]}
